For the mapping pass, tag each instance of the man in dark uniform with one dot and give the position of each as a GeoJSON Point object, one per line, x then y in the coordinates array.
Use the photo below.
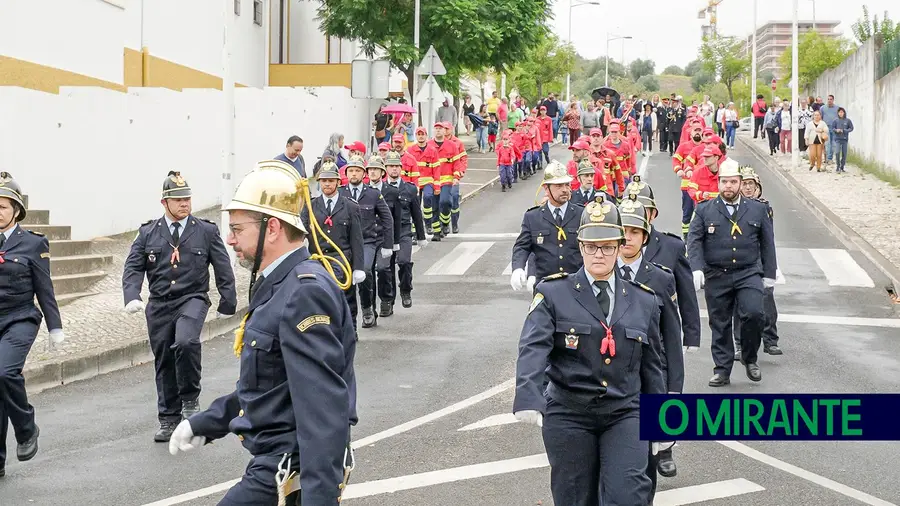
{"type": "Point", "coordinates": [338, 217]}
{"type": "Point", "coordinates": [732, 252]}
{"type": "Point", "coordinates": [634, 267]}
{"type": "Point", "coordinates": [384, 282]}
{"type": "Point", "coordinates": [662, 118]}
{"type": "Point", "coordinates": [295, 398]}
{"type": "Point", "coordinates": [378, 233]}
{"type": "Point", "coordinates": [410, 214]}
{"type": "Point", "coordinates": [24, 275]}
{"type": "Point", "coordinates": [175, 253]}
{"type": "Point", "coordinates": [674, 123]}
{"type": "Point", "coordinates": [586, 192]}
{"type": "Point", "coordinates": [549, 231]}
{"type": "Point", "coordinates": [596, 337]}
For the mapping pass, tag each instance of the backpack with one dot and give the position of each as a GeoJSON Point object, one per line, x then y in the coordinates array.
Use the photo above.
{"type": "Point", "coordinates": [773, 121]}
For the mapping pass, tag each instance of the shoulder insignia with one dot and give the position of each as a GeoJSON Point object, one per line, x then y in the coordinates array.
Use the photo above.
{"type": "Point", "coordinates": [558, 275]}
{"type": "Point", "coordinates": [35, 233]}
{"type": "Point", "coordinates": [147, 222]}
{"type": "Point", "coordinates": [532, 208]}
{"type": "Point", "coordinates": [307, 275]}
{"type": "Point", "coordinates": [663, 267]}
{"type": "Point", "coordinates": [643, 286]}
{"type": "Point", "coordinates": [45, 255]}
{"type": "Point", "coordinates": [211, 222]}
{"type": "Point", "coordinates": [538, 298]}
{"type": "Point", "coordinates": [674, 297]}
{"type": "Point", "coordinates": [316, 319]}
{"type": "Point", "coordinates": [670, 234]}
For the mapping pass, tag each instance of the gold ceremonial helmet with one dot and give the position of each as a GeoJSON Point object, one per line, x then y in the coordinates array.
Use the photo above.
{"type": "Point", "coordinates": [556, 173]}
{"type": "Point", "coordinates": [634, 214]}
{"type": "Point", "coordinates": [175, 187]}
{"type": "Point", "coordinates": [273, 188]}
{"type": "Point", "coordinates": [643, 190]}
{"type": "Point", "coordinates": [600, 221]}
{"type": "Point", "coordinates": [10, 189]}
{"type": "Point", "coordinates": [585, 168]}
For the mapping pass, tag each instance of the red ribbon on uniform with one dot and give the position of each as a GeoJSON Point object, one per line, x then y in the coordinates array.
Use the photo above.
{"type": "Point", "coordinates": [328, 221]}
{"type": "Point", "coordinates": [2, 261]}
{"type": "Point", "coordinates": [607, 343]}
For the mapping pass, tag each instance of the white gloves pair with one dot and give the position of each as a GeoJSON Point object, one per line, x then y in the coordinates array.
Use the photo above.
{"type": "Point", "coordinates": [183, 439]}
{"type": "Point", "coordinates": [520, 280]}
{"type": "Point", "coordinates": [359, 277]}
{"type": "Point", "coordinates": [530, 416]}
{"type": "Point", "coordinates": [699, 280]}
{"type": "Point", "coordinates": [387, 252]}
{"type": "Point", "coordinates": [135, 306]}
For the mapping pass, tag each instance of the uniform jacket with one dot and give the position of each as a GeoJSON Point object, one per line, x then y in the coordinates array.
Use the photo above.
{"type": "Point", "coordinates": [719, 242]}
{"type": "Point", "coordinates": [507, 155]}
{"type": "Point", "coordinates": [343, 227]}
{"type": "Point", "coordinates": [392, 199]}
{"type": "Point", "coordinates": [375, 216]}
{"type": "Point", "coordinates": [555, 251]}
{"type": "Point", "coordinates": [594, 195]}
{"type": "Point", "coordinates": [675, 119]}
{"type": "Point", "coordinates": [426, 160]}
{"type": "Point", "coordinates": [447, 166]}
{"type": "Point", "coordinates": [668, 250]}
{"type": "Point", "coordinates": [410, 210]}
{"type": "Point", "coordinates": [24, 275]}
{"type": "Point", "coordinates": [200, 245]}
{"type": "Point", "coordinates": [622, 159]}
{"type": "Point", "coordinates": [296, 391]}
{"type": "Point", "coordinates": [703, 181]}
{"type": "Point", "coordinates": [562, 336]}
{"type": "Point", "coordinates": [662, 281]}
{"type": "Point", "coordinates": [682, 160]}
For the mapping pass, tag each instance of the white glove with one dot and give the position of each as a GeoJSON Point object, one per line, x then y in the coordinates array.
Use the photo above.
{"type": "Point", "coordinates": [386, 252]}
{"type": "Point", "coordinates": [517, 281]}
{"type": "Point", "coordinates": [222, 316]}
{"type": "Point", "coordinates": [530, 283]}
{"type": "Point", "coordinates": [688, 174]}
{"type": "Point", "coordinates": [359, 277]}
{"type": "Point", "coordinates": [57, 336]}
{"type": "Point", "coordinates": [660, 447]}
{"type": "Point", "coordinates": [690, 349]}
{"type": "Point", "coordinates": [699, 280]}
{"type": "Point", "coordinates": [135, 306]}
{"type": "Point", "coordinates": [768, 282]}
{"type": "Point", "coordinates": [680, 173]}
{"type": "Point", "coordinates": [530, 416]}
{"type": "Point", "coordinates": [422, 243]}
{"type": "Point", "coordinates": [396, 247]}
{"type": "Point", "coordinates": [183, 439]}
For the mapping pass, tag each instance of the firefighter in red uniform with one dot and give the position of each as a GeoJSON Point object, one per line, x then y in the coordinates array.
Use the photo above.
{"type": "Point", "coordinates": [621, 149]}
{"type": "Point", "coordinates": [461, 160]}
{"type": "Point", "coordinates": [681, 164]}
{"type": "Point", "coordinates": [704, 184]}
{"type": "Point", "coordinates": [580, 151]}
{"type": "Point", "coordinates": [697, 153]}
{"type": "Point", "coordinates": [446, 174]}
{"type": "Point", "coordinates": [534, 132]}
{"type": "Point", "coordinates": [545, 124]}
{"type": "Point", "coordinates": [426, 157]}
{"type": "Point", "coordinates": [522, 144]}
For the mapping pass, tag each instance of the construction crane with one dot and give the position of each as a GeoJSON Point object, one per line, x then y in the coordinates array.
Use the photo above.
{"type": "Point", "coordinates": [710, 29]}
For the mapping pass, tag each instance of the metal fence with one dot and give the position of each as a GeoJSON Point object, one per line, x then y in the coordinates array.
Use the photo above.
{"type": "Point", "coordinates": [888, 58]}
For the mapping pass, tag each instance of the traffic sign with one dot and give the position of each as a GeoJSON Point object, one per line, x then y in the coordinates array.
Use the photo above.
{"type": "Point", "coordinates": [774, 83]}
{"type": "Point", "coordinates": [431, 64]}
{"type": "Point", "coordinates": [429, 91]}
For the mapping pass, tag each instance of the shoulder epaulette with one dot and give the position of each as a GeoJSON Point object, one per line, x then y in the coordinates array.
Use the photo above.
{"type": "Point", "coordinates": [307, 275]}
{"type": "Point", "coordinates": [211, 222]}
{"type": "Point", "coordinates": [661, 266]}
{"type": "Point", "coordinates": [642, 286]}
{"type": "Point", "coordinates": [35, 233]}
{"type": "Point", "coordinates": [532, 208]}
{"type": "Point", "coordinates": [558, 275]}
{"type": "Point", "coordinates": [147, 222]}
{"type": "Point", "coordinates": [670, 234]}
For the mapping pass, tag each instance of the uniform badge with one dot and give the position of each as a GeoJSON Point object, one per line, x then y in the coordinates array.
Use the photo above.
{"type": "Point", "coordinates": [534, 303]}
{"type": "Point", "coordinates": [540, 239]}
{"type": "Point", "coordinates": [317, 319]}
{"type": "Point", "coordinates": [152, 257]}
{"type": "Point", "coordinates": [711, 229]}
{"type": "Point", "coordinates": [571, 341]}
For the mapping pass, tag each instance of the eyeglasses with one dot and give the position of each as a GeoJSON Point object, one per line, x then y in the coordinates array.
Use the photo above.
{"type": "Point", "coordinates": [607, 249]}
{"type": "Point", "coordinates": [236, 231]}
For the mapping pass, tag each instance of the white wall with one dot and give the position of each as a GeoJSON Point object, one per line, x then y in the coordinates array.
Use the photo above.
{"type": "Point", "coordinates": [307, 41]}
{"type": "Point", "coordinates": [97, 158]}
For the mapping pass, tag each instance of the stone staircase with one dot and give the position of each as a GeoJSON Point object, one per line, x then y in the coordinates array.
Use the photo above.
{"type": "Point", "coordinates": [74, 269]}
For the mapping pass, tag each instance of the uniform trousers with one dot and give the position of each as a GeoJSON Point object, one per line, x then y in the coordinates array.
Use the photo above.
{"type": "Point", "coordinates": [17, 333]}
{"type": "Point", "coordinates": [440, 204]}
{"type": "Point", "coordinates": [401, 266]}
{"type": "Point", "coordinates": [257, 486]}
{"type": "Point", "coordinates": [454, 205]}
{"type": "Point", "coordinates": [350, 295]}
{"type": "Point", "coordinates": [663, 141]}
{"type": "Point", "coordinates": [506, 174]}
{"type": "Point", "coordinates": [174, 327]}
{"type": "Point", "coordinates": [595, 453]}
{"type": "Point", "coordinates": [374, 263]}
{"type": "Point", "coordinates": [737, 291]}
{"type": "Point", "coordinates": [770, 319]}
{"type": "Point", "coordinates": [687, 211]}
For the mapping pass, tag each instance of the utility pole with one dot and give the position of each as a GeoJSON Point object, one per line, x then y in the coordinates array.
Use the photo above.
{"type": "Point", "coordinates": [415, 87]}
{"type": "Point", "coordinates": [795, 90]}
{"type": "Point", "coordinates": [227, 187]}
{"type": "Point", "coordinates": [753, 57]}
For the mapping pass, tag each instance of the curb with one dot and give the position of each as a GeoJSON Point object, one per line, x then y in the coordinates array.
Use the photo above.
{"type": "Point", "coordinates": [832, 222]}
{"type": "Point", "coordinates": [89, 364]}
{"type": "Point", "coordinates": [478, 190]}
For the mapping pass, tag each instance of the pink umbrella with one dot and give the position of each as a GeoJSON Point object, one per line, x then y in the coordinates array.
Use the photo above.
{"type": "Point", "coordinates": [399, 109]}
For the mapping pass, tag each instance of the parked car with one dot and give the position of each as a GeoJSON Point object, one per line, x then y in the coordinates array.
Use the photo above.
{"type": "Point", "coordinates": [746, 124]}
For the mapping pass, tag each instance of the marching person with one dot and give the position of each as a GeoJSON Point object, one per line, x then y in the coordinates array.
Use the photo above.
{"type": "Point", "coordinates": [549, 231]}
{"type": "Point", "coordinates": [295, 399]}
{"type": "Point", "coordinates": [731, 248]}
{"type": "Point", "coordinates": [462, 163]}
{"type": "Point", "coordinates": [588, 177]}
{"type": "Point", "coordinates": [377, 224]}
{"type": "Point", "coordinates": [446, 174]}
{"type": "Point", "coordinates": [175, 252]}
{"type": "Point", "coordinates": [410, 215]}
{"type": "Point", "coordinates": [24, 276]}
{"type": "Point", "coordinates": [338, 216]}
{"type": "Point", "coordinates": [683, 166]}
{"type": "Point", "coordinates": [596, 337]}
{"type": "Point", "coordinates": [384, 273]}
{"type": "Point", "coordinates": [704, 184]}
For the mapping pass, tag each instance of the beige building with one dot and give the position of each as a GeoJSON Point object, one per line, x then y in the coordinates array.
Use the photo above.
{"type": "Point", "coordinates": [774, 37]}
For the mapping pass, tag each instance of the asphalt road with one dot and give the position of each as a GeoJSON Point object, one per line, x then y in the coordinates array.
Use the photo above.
{"type": "Point", "coordinates": [435, 390]}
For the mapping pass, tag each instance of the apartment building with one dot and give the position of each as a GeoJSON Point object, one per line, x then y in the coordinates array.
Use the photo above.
{"type": "Point", "coordinates": [774, 37]}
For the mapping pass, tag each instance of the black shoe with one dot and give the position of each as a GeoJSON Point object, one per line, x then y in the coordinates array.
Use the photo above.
{"type": "Point", "coordinates": [455, 229]}
{"type": "Point", "coordinates": [27, 450]}
{"type": "Point", "coordinates": [773, 350]}
{"type": "Point", "coordinates": [368, 317]}
{"type": "Point", "coordinates": [445, 231]}
{"type": "Point", "coordinates": [503, 188]}
{"type": "Point", "coordinates": [189, 408]}
{"type": "Point", "coordinates": [415, 241]}
{"type": "Point", "coordinates": [2, 472]}
{"type": "Point", "coordinates": [719, 380]}
{"type": "Point", "coordinates": [753, 372]}
{"type": "Point", "coordinates": [387, 309]}
{"type": "Point", "coordinates": [166, 428]}
{"type": "Point", "coordinates": [406, 299]}
{"type": "Point", "coordinates": [436, 237]}
{"type": "Point", "coordinates": [666, 464]}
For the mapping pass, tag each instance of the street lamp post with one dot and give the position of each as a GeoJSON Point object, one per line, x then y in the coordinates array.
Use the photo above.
{"type": "Point", "coordinates": [753, 56]}
{"type": "Point", "coordinates": [795, 90]}
{"type": "Point", "coordinates": [572, 5]}
{"type": "Point", "coordinates": [608, 40]}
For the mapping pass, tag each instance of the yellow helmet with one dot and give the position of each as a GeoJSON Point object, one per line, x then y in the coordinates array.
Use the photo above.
{"type": "Point", "coordinates": [273, 188]}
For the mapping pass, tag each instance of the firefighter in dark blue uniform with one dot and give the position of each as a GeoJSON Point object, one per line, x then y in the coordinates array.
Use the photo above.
{"type": "Point", "coordinates": [587, 193]}
{"type": "Point", "coordinates": [24, 275]}
{"type": "Point", "coordinates": [549, 231]}
{"type": "Point", "coordinates": [596, 336]}
{"type": "Point", "coordinates": [668, 251]}
{"type": "Point", "coordinates": [410, 217]}
{"type": "Point", "coordinates": [634, 267]}
{"type": "Point", "coordinates": [385, 286]}
{"type": "Point", "coordinates": [175, 252]}
{"type": "Point", "coordinates": [295, 398]}
{"type": "Point", "coordinates": [732, 253]}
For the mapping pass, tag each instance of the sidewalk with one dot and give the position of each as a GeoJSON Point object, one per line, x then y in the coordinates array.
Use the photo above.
{"type": "Point", "coordinates": [858, 206]}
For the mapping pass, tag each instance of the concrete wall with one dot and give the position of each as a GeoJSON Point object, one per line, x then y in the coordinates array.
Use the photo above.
{"type": "Point", "coordinates": [97, 158]}
{"type": "Point", "coordinates": [887, 131]}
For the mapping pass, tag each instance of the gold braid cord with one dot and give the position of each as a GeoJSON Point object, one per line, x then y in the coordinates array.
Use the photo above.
{"type": "Point", "coordinates": [315, 231]}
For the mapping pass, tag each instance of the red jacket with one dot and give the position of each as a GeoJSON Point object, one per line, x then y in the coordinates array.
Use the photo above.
{"type": "Point", "coordinates": [447, 167]}
{"type": "Point", "coordinates": [621, 155]}
{"type": "Point", "coordinates": [703, 181]}
{"type": "Point", "coordinates": [425, 159]}
{"type": "Point", "coordinates": [535, 135]}
{"type": "Point", "coordinates": [462, 156]}
{"type": "Point", "coordinates": [507, 155]}
{"type": "Point", "coordinates": [522, 143]}
{"type": "Point", "coordinates": [682, 160]}
{"type": "Point", "coordinates": [546, 127]}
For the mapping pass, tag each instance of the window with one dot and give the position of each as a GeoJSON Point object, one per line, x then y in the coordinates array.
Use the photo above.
{"type": "Point", "coordinates": [258, 12]}
{"type": "Point", "coordinates": [237, 7]}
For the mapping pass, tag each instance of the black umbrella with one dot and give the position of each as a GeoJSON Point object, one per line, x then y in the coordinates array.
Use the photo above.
{"type": "Point", "coordinates": [603, 92]}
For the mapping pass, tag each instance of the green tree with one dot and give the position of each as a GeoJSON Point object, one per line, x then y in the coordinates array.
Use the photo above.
{"type": "Point", "coordinates": [640, 68]}
{"type": "Point", "coordinates": [867, 27]}
{"type": "Point", "coordinates": [817, 54]}
{"type": "Point", "coordinates": [721, 56]}
{"type": "Point", "coordinates": [649, 82]}
{"type": "Point", "coordinates": [693, 67]}
{"type": "Point", "coordinates": [481, 76]}
{"type": "Point", "coordinates": [588, 75]}
{"type": "Point", "coordinates": [467, 34]}
{"type": "Point", "coordinates": [701, 80]}
{"type": "Point", "coordinates": [673, 70]}
{"type": "Point", "coordinates": [544, 66]}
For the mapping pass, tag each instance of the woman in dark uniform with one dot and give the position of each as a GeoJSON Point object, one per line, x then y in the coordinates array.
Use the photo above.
{"type": "Point", "coordinates": [596, 337]}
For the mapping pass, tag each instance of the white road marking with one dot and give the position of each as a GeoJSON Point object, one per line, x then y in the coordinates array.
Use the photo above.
{"type": "Point", "coordinates": [472, 184]}
{"type": "Point", "coordinates": [458, 261]}
{"type": "Point", "coordinates": [806, 475]}
{"type": "Point", "coordinates": [415, 249]}
{"type": "Point", "coordinates": [840, 268]}
{"type": "Point", "coordinates": [706, 492]}
{"type": "Point", "coordinates": [366, 441]}
{"type": "Point", "coordinates": [482, 237]}
{"type": "Point", "coordinates": [491, 421]}
{"type": "Point", "coordinates": [508, 270]}
{"type": "Point", "coordinates": [779, 278]}
{"type": "Point", "coordinates": [852, 321]}
{"type": "Point", "coordinates": [481, 170]}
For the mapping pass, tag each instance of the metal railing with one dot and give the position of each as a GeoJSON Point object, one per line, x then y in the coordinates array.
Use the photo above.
{"type": "Point", "coordinates": [888, 58]}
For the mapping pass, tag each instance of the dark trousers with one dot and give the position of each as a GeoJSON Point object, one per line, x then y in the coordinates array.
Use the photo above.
{"type": "Point", "coordinates": [728, 293]}
{"type": "Point", "coordinates": [687, 212]}
{"type": "Point", "coordinates": [174, 328]}
{"type": "Point", "coordinates": [674, 141]}
{"type": "Point", "coordinates": [802, 141]}
{"type": "Point", "coordinates": [758, 126]}
{"type": "Point", "coordinates": [663, 141]}
{"type": "Point", "coordinates": [595, 454]}
{"type": "Point", "coordinates": [402, 266]}
{"type": "Point", "coordinates": [770, 320]}
{"type": "Point", "coordinates": [17, 335]}
{"type": "Point", "coordinates": [257, 485]}
{"type": "Point", "coordinates": [374, 264]}
{"type": "Point", "coordinates": [545, 149]}
{"type": "Point", "coordinates": [773, 140]}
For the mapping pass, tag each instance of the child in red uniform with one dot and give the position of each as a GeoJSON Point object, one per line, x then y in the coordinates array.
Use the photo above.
{"type": "Point", "coordinates": [506, 159]}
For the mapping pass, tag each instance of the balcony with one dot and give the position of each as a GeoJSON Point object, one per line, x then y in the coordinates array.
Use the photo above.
{"type": "Point", "coordinates": [313, 74]}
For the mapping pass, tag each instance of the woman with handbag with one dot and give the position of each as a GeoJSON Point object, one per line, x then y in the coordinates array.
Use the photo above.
{"type": "Point", "coordinates": [732, 122]}
{"type": "Point", "coordinates": [816, 137]}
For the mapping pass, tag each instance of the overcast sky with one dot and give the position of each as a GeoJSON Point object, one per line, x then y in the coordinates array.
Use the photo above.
{"type": "Point", "coordinates": [669, 32]}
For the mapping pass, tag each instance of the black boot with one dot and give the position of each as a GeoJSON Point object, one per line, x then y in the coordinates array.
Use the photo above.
{"type": "Point", "coordinates": [773, 350]}
{"type": "Point", "coordinates": [387, 309]}
{"type": "Point", "coordinates": [406, 299]}
{"type": "Point", "coordinates": [719, 380]}
{"type": "Point", "coordinates": [166, 428]}
{"type": "Point", "coordinates": [28, 449]}
{"type": "Point", "coordinates": [368, 317]}
{"type": "Point", "coordinates": [666, 464]}
{"type": "Point", "coordinates": [189, 408]}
